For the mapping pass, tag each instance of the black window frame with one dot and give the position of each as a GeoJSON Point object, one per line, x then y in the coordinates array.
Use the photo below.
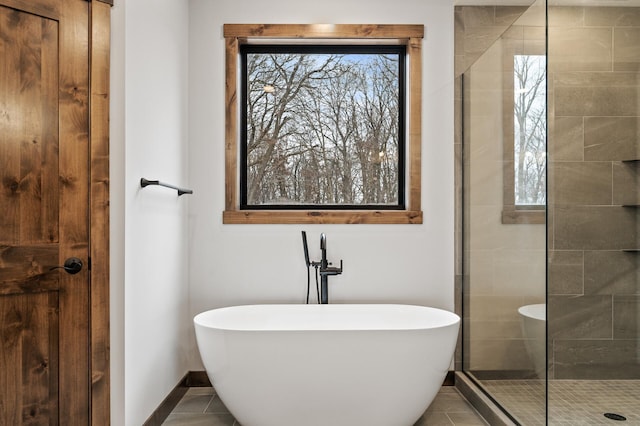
{"type": "Point", "coordinates": [399, 49]}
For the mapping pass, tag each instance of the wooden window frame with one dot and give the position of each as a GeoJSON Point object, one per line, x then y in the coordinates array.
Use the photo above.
{"type": "Point", "coordinates": [409, 35]}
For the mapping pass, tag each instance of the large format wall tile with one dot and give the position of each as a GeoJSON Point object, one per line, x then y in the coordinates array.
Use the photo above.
{"type": "Point", "coordinates": [594, 116]}
{"type": "Point", "coordinates": [476, 41]}
{"type": "Point", "coordinates": [498, 355]}
{"type": "Point", "coordinates": [611, 138]}
{"type": "Point", "coordinates": [626, 49]}
{"type": "Point", "coordinates": [611, 16]}
{"type": "Point", "coordinates": [487, 330]}
{"type": "Point", "coordinates": [579, 317]}
{"type": "Point", "coordinates": [626, 313]}
{"type": "Point", "coordinates": [594, 110]}
{"type": "Point", "coordinates": [481, 16]}
{"type": "Point", "coordinates": [626, 183]}
{"type": "Point", "coordinates": [580, 49]}
{"type": "Point", "coordinates": [595, 227]}
{"type": "Point", "coordinates": [507, 15]}
{"type": "Point", "coordinates": [495, 308]}
{"type": "Point", "coordinates": [481, 272]}
{"type": "Point", "coordinates": [596, 359]}
{"type": "Point", "coordinates": [566, 139]}
{"type": "Point", "coordinates": [477, 28]}
{"type": "Point", "coordinates": [519, 272]}
{"type": "Point", "coordinates": [611, 272]}
{"type": "Point", "coordinates": [581, 183]}
{"type": "Point", "coordinates": [566, 17]}
{"type": "Point", "coordinates": [602, 94]}
{"type": "Point", "coordinates": [597, 101]}
{"type": "Point", "coordinates": [565, 272]}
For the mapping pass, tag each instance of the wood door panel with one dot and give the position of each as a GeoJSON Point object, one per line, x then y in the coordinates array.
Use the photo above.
{"type": "Point", "coordinates": [45, 8]}
{"type": "Point", "coordinates": [29, 141]}
{"type": "Point", "coordinates": [73, 90]}
{"type": "Point", "coordinates": [29, 223]}
{"type": "Point", "coordinates": [54, 203]}
{"type": "Point", "coordinates": [100, 48]}
{"type": "Point", "coordinates": [44, 218]}
{"type": "Point", "coordinates": [27, 269]}
{"type": "Point", "coordinates": [28, 332]}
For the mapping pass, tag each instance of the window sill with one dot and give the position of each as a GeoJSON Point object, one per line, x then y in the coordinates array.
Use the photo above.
{"type": "Point", "coordinates": [523, 217]}
{"type": "Point", "coordinates": [238, 217]}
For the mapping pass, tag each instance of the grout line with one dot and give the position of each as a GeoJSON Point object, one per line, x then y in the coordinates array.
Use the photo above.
{"type": "Point", "coordinates": [209, 403]}
{"type": "Point", "coordinates": [469, 409]}
{"type": "Point", "coordinates": [450, 419]}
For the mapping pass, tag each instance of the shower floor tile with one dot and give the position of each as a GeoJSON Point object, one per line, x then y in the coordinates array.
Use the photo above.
{"type": "Point", "coordinates": [202, 407]}
{"type": "Point", "coordinates": [571, 402]}
{"type": "Point", "coordinates": [584, 402]}
{"type": "Point", "coordinates": [523, 399]}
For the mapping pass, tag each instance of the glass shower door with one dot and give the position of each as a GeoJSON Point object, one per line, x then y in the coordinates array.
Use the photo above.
{"type": "Point", "coordinates": [504, 210]}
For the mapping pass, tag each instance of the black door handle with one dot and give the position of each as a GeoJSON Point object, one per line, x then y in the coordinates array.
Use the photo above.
{"type": "Point", "coordinates": [72, 266]}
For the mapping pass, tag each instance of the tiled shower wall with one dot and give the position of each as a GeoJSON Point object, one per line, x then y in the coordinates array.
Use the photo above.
{"type": "Point", "coordinates": [594, 113]}
{"type": "Point", "coordinates": [594, 110]}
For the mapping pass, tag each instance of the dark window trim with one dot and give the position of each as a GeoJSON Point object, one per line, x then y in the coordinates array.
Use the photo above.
{"type": "Point", "coordinates": [396, 49]}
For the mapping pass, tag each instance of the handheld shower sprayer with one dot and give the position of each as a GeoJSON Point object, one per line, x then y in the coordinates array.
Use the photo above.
{"type": "Point", "coordinates": [306, 248]}
{"type": "Point", "coordinates": [309, 264]}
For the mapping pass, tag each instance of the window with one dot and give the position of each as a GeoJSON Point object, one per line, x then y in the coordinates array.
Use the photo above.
{"type": "Point", "coordinates": [322, 127]}
{"type": "Point", "coordinates": [327, 128]}
{"type": "Point", "coordinates": [525, 133]}
{"type": "Point", "coordinates": [530, 128]}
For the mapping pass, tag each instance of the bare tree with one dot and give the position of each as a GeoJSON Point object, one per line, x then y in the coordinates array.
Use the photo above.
{"type": "Point", "coordinates": [322, 129]}
{"type": "Point", "coordinates": [530, 129]}
{"type": "Point", "coordinates": [270, 111]}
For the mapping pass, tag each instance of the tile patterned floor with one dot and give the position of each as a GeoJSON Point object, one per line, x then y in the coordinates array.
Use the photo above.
{"type": "Point", "coordinates": [523, 399]}
{"type": "Point", "coordinates": [584, 402]}
{"type": "Point", "coordinates": [201, 407]}
{"type": "Point", "coordinates": [571, 402]}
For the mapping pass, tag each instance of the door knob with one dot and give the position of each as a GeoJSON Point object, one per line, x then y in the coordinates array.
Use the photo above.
{"type": "Point", "coordinates": [72, 266]}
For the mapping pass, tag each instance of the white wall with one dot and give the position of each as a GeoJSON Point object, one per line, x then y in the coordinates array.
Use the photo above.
{"type": "Point", "coordinates": [149, 138]}
{"type": "Point", "coordinates": [169, 124]}
{"type": "Point", "coordinates": [242, 264]}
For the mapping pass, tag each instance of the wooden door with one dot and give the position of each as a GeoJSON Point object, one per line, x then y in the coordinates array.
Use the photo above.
{"type": "Point", "coordinates": [44, 212]}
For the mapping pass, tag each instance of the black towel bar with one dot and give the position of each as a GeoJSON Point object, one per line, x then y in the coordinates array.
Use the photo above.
{"type": "Point", "coordinates": [146, 182]}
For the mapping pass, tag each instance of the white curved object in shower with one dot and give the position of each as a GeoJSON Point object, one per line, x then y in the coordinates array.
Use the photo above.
{"type": "Point", "coordinates": [534, 331]}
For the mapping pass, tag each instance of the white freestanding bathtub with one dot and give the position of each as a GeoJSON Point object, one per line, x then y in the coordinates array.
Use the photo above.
{"type": "Point", "coordinates": [326, 365]}
{"type": "Point", "coordinates": [533, 321]}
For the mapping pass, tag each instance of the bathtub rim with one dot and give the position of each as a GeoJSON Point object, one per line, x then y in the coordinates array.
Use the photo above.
{"type": "Point", "coordinates": [535, 311]}
{"type": "Point", "coordinates": [444, 317]}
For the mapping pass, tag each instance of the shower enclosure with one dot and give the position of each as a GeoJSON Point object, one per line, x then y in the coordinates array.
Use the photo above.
{"type": "Point", "coordinates": [548, 172]}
